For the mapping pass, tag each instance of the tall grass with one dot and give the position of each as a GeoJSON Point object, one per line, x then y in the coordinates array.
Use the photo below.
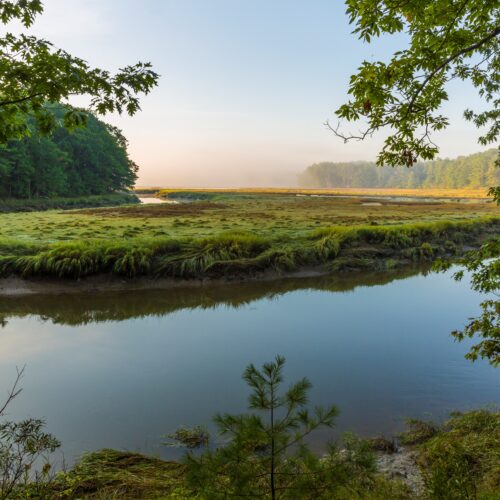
{"type": "Point", "coordinates": [237, 253]}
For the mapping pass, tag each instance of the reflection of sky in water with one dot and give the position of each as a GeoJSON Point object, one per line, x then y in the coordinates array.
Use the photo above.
{"type": "Point", "coordinates": [379, 353]}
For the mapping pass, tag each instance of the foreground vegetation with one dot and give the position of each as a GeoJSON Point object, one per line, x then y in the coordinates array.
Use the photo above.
{"type": "Point", "coordinates": [264, 454]}
{"type": "Point", "coordinates": [460, 459]}
{"type": "Point", "coordinates": [233, 235]}
{"type": "Point", "coordinates": [457, 460]}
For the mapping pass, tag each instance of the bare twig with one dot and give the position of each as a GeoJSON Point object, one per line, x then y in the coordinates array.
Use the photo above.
{"type": "Point", "coordinates": [346, 138]}
{"type": "Point", "coordinates": [14, 391]}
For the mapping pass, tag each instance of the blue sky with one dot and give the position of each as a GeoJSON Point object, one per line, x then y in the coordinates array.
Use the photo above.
{"type": "Point", "coordinates": [246, 84]}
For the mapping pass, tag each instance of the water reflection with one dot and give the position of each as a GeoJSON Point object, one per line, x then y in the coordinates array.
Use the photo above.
{"type": "Point", "coordinates": [120, 370]}
{"type": "Point", "coordinates": [86, 308]}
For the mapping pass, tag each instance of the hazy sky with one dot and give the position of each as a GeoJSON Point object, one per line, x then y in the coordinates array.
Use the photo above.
{"type": "Point", "coordinates": [245, 87]}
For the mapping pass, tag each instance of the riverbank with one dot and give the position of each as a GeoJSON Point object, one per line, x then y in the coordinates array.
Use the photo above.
{"type": "Point", "coordinates": [240, 255]}
{"type": "Point", "coordinates": [438, 461]}
{"type": "Point", "coordinates": [234, 236]}
{"type": "Point", "coordinates": [9, 205]}
{"type": "Point", "coordinates": [18, 286]}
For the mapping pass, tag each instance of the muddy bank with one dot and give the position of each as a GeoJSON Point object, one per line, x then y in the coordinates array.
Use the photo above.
{"type": "Point", "coordinates": [16, 286]}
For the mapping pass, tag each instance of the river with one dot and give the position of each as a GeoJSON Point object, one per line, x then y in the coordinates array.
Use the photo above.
{"type": "Point", "coordinates": [121, 369]}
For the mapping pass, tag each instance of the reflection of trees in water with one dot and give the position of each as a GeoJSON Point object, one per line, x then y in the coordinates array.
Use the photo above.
{"type": "Point", "coordinates": [79, 309]}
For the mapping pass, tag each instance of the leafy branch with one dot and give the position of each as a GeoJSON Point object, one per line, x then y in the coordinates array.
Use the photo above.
{"type": "Point", "coordinates": [446, 40]}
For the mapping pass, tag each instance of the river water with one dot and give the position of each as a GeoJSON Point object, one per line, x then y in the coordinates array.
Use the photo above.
{"type": "Point", "coordinates": [122, 369]}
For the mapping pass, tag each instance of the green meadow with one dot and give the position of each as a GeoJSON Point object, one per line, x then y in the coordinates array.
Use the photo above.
{"type": "Point", "coordinates": [214, 234]}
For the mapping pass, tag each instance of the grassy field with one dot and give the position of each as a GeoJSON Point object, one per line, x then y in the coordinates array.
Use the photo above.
{"type": "Point", "coordinates": [221, 233]}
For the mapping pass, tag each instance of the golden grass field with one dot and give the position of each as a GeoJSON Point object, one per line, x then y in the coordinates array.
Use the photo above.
{"type": "Point", "coordinates": [418, 193]}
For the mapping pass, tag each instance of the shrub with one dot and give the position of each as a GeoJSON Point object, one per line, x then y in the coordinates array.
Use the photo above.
{"type": "Point", "coordinates": [418, 431]}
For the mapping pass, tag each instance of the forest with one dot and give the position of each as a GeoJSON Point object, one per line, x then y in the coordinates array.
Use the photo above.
{"type": "Point", "coordinates": [473, 171]}
{"type": "Point", "coordinates": [90, 160]}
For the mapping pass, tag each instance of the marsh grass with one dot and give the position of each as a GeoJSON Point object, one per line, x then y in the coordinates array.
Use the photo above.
{"type": "Point", "coordinates": [111, 474]}
{"type": "Point", "coordinates": [240, 252]}
{"type": "Point", "coordinates": [248, 233]}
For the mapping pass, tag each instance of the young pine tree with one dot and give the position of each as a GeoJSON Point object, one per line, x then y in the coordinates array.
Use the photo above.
{"type": "Point", "coordinates": [265, 455]}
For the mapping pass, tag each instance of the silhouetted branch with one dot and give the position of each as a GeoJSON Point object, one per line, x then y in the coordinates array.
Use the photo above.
{"type": "Point", "coordinates": [14, 391]}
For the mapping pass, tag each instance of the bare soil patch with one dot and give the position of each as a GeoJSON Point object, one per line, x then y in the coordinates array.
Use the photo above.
{"type": "Point", "coordinates": [161, 210]}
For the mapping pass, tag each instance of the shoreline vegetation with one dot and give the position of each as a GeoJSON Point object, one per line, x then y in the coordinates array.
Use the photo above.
{"type": "Point", "coordinates": [9, 205]}
{"type": "Point", "coordinates": [454, 459]}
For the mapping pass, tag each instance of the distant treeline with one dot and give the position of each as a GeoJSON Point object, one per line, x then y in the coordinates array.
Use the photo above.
{"type": "Point", "coordinates": [91, 160]}
{"type": "Point", "coordinates": [474, 171]}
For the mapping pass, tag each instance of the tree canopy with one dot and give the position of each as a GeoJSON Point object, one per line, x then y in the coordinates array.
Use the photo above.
{"type": "Point", "coordinates": [90, 160]}
{"type": "Point", "coordinates": [473, 171]}
{"type": "Point", "coordinates": [34, 72]}
{"type": "Point", "coordinates": [447, 39]}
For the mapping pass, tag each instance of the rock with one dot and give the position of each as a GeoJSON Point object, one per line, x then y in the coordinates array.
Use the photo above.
{"type": "Point", "coordinates": [402, 466]}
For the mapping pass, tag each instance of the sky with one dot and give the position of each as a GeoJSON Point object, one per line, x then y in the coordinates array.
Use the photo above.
{"type": "Point", "coordinates": [245, 88]}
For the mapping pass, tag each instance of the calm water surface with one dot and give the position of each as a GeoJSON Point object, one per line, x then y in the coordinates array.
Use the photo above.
{"type": "Point", "coordinates": [120, 370]}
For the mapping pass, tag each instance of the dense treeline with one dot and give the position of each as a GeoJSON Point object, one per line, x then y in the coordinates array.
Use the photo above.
{"type": "Point", "coordinates": [91, 160]}
{"type": "Point", "coordinates": [474, 171]}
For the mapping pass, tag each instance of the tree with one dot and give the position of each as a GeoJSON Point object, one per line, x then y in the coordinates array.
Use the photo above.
{"type": "Point", "coordinates": [473, 171]}
{"type": "Point", "coordinates": [34, 72]}
{"type": "Point", "coordinates": [91, 160]}
{"type": "Point", "coordinates": [265, 455]}
{"type": "Point", "coordinates": [448, 39]}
